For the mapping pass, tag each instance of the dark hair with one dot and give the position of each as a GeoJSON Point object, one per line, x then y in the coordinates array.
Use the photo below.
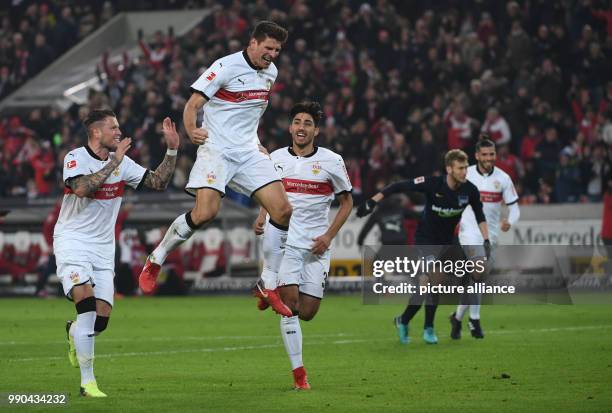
{"type": "Point", "coordinates": [484, 141]}
{"type": "Point", "coordinates": [97, 116]}
{"type": "Point", "coordinates": [455, 155]}
{"type": "Point", "coordinates": [312, 108]}
{"type": "Point", "coordinates": [270, 29]}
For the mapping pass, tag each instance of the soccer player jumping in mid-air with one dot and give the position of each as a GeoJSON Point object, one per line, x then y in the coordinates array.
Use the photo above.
{"type": "Point", "coordinates": [232, 95]}
{"type": "Point", "coordinates": [447, 196]}
{"type": "Point", "coordinates": [84, 237]}
{"type": "Point", "coordinates": [312, 176]}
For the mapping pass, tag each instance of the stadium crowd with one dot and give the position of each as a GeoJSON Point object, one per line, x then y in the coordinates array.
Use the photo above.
{"type": "Point", "coordinates": [400, 83]}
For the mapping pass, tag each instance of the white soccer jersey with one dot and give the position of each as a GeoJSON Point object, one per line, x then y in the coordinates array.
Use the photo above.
{"type": "Point", "coordinates": [238, 95]}
{"type": "Point", "coordinates": [311, 182]}
{"type": "Point", "coordinates": [494, 188]}
{"type": "Point", "coordinates": [85, 229]}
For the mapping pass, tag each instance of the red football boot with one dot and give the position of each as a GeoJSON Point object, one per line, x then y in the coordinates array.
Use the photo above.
{"type": "Point", "coordinates": [270, 298]}
{"type": "Point", "coordinates": [300, 381]}
{"type": "Point", "coordinates": [148, 277]}
{"type": "Point", "coordinates": [262, 304]}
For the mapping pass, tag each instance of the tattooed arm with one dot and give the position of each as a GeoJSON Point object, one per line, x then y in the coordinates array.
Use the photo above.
{"type": "Point", "coordinates": [159, 178]}
{"type": "Point", "coordinates": [85, 185]}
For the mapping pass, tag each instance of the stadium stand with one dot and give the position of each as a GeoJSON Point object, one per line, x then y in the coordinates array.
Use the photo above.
{"type": "Point", "coordinates": [399, 83]}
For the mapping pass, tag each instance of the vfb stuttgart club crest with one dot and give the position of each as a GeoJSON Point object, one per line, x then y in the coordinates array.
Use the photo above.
{"type": "Point", "coordinates": [74, 277]}
{"type": "Point", "coordinates": [211, 177]}
{"type": "Point", "coordinates": [316, 168]}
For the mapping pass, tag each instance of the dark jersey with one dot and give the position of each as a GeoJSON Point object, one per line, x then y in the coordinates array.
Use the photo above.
{"type": "Point", "coordinates": [443, 207]}
{"type": "Point", "coordinates": [390, 218]}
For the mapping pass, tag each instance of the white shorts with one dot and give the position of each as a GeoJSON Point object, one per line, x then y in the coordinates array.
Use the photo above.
{"type": "Point", "coordinates": [302, 268]}
{"type": "Point", "coordinates": [243, 170]}
{"type": "Point", "coordinates": [75, 273]}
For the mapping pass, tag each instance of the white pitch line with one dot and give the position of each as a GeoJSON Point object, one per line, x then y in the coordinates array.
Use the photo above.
{"type": "Point", "coordinates": [551, 330]}
{"type": "Point", "coordinates": [200, 350]}
{"type": "Point", "coordinates": [164, 338]}
{"type": "Point", "coordinates": [313, 343]}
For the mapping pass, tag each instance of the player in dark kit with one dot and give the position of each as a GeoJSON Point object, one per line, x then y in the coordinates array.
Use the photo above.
{"type": "Point", "coordinates": [446, 198]}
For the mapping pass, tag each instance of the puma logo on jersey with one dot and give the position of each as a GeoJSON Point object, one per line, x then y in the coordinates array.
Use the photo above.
{"type": "Point", "coordinates": [241, 81]}
{"type": "Point", "coordinates": [439, 195]}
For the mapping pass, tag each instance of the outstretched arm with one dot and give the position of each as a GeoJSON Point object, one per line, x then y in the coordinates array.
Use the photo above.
{"type": "Point", "coordinates": [159, 178]}
{"type": "Point", "coordinates": [418, 184]}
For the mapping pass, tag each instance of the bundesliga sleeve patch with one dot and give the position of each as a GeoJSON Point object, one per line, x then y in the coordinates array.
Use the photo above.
{"type": "Point", "coordinates": [419, 180]}
{"type": "Point", "coordinates": [211, 76]}
{"type": "Point", "coordinates": [71, 164]}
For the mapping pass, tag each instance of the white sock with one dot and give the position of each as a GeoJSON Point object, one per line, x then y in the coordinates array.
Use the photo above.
{"type": "Point", "coordinates": [461, 309]}
{"type": "Point", "coordinates": [292, 337]}
{"type": "Point", "coordinates": [84, 344]}
{"type": "Point", "coordinates": [475, 311]}
{"type": "Point", "coordinates": [269, 278]}
{"type": "Point", "coordinates": [177, 233]}
{"type": "Point", "coordinates": [273, 250]}
{"type": "Point", "coordinates": [72, 329]}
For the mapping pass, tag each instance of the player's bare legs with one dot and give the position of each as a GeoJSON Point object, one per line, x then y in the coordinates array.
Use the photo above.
{"type": "Point", "coordinates": [273, 199]}
{"type": "Point", "coordinates": [83, 336]}
{"type": "Point", "coordinates": [208, 202]}
{"type": "Point", "coordinates": [308, 307]}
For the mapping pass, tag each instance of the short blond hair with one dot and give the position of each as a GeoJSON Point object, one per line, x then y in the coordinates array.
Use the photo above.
{"type": "Point", "coordinates": [455, 155]}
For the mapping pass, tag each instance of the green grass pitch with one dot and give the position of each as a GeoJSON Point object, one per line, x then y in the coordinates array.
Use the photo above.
{"type": "Point", "coordinates": [219, 354]}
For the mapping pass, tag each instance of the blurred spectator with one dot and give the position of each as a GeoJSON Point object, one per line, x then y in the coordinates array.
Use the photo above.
{"type": "Point", "coordinates": [547, 153]}
{"type": "Point", "coordinates": [568, 186]}
{"type": "Point", "coordinates": [497, 127]}
{"type": "Point", "coordinates": [530, 142]}
{"type": "Point", "coordinates": [509, 163]}
{"type": "Point", "coordinates": [596, 170]}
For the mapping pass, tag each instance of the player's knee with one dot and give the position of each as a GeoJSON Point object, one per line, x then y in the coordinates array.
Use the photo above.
{"type": "Point", "coordinates": [201, 216]}
{"type": "Point", "coordinates": [307, 315]}
{"type": "Point", "coordinates": [100, 324]}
